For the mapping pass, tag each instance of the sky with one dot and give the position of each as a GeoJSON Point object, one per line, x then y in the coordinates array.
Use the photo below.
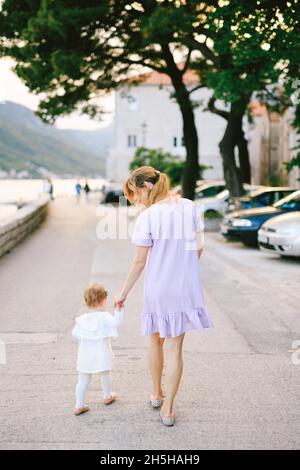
{"type": "Point", "coordinates": [12, 89]}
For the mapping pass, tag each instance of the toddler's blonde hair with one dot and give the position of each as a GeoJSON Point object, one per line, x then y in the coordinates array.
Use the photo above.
{"type": "Point", "coordinates": [94, 295]}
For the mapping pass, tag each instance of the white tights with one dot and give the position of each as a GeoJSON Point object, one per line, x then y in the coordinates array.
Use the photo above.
{"type": "Point", "coordinates": [83, 383]}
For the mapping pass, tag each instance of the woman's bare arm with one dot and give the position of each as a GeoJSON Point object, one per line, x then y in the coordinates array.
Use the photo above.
{"type": "Point", "coordinates": [200, 242]}
{"type": "Point", "coordinates": [135, 269]}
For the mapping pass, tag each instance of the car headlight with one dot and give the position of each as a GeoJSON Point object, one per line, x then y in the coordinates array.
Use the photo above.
{"type": "Point", "coordinates": [241, 223]}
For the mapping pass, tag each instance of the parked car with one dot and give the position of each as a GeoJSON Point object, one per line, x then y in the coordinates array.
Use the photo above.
{"type": "Point", "coordinates": [204, 188]}
{"type": "Point", "coordinates": [264, 196]}
{"type": "Point", "coordinates": [209, 188]}
{"type": "Point", "coordinates": [244, 225]}
{"type": "Point", "coordinates": [113, 195]}
{"type": "Point", "coordinates": [218, 203]}
{"type": "Point", "coordinates": [281, 234]}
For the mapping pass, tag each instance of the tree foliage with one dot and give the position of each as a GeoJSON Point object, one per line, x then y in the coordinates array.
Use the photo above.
{"type": "Point", "coordinates": [73, 52]}
{"type": "Point", "coordinates": [172, 165]}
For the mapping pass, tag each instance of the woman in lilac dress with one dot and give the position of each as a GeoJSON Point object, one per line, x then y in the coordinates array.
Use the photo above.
{"type": "Point", "coordinates": [168, 235]}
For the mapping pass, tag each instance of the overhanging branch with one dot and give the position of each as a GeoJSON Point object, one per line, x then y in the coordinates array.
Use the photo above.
{"type": "Point", "coordinates": [203, 48]}
{"type": "Point", "coordinates": [212, 108]}
{"type": "Point", "coordinates": [196, 88]}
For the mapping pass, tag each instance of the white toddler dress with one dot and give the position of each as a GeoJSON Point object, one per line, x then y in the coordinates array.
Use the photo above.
{"type": "Point", "coordinates": [93, 331]}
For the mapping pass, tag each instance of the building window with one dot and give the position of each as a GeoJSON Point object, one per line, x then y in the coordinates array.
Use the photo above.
{"type": "Point", "coordinates": [132, 102]}
{"type": "Point", "coordinates": [178, 142]}
{"type": "Point", "coordinates": [131, 140]}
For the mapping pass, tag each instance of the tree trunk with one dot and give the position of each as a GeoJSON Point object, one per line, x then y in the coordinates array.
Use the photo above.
{"type": "Point", "coordinates": [233, 139]}
{"type": "Point", "coordinates": [190, 173]}
{"type": "Point", "coordinates": [232, 173]}
{"type": "Point", "coordinates": [242, 144]}
{"type": "Point", "coordinates": [190, 135]}
{"type": "Point", "coordinates": [244, 158]}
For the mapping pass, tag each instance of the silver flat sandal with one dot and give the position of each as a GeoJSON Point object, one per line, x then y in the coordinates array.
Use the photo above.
{"type": "Point", "coordinates": [156, 402]}
{"type": "Point", "coordinates": [167, 420]}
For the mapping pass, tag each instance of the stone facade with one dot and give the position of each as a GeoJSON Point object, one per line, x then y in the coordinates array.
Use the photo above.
{"type": "Point", "coordinates": [271, 140]}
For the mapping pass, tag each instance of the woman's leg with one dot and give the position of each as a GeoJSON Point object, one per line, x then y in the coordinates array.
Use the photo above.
{"type": "Point", "coordinates": [174, 369]}
{"type": "Point", "coordinates": [106, 383]}
{"type": "Point", "coordinates": [156, 361]}
{"type": "Point", "coordinates": [81, 388]}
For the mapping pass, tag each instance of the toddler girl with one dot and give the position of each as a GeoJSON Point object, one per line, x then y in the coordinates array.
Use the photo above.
{"type": "Point", "coordinates": [93, 331]}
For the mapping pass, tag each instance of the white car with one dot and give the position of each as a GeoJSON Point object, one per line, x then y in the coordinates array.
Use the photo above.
{"type": "Point", "coordinates": [209, 188]}
{"type": "Point", "coordinates": [216, 203]}
{"type": "Point", "coordinates": [281, 234]}
{"type": "Point", "coordinates": [219, 202]}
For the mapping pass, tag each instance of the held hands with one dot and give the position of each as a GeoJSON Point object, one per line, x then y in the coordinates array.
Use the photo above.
{"type": "Point", "coordinates": [119, 301]}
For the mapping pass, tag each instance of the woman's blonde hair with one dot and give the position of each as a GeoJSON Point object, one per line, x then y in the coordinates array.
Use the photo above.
{"type": "Point", "coordinates": [135, 182]}
{"type": "Point", "coordinates": [94, 295]}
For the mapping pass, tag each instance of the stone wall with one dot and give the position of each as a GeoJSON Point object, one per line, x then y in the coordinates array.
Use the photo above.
{"type": "Point", "coordinates": [16, 227]}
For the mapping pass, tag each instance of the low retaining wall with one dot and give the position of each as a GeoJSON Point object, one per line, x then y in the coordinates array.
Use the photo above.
{"type": "Point", "coordinates": [16, 227]}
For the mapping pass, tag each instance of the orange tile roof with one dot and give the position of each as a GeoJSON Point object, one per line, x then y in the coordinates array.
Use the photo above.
{"type": "Point", "coordinates": [155, 78]}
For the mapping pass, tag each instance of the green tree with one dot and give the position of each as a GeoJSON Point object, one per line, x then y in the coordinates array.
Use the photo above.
{"type": "Point", "coordinates": [290, 47]}
{"type": "Point", "coordinates": [247, 44]}
{"type": "Point", "coordinates": [74, 51]}
{"type": "Point", "coordinates": [172, 165]}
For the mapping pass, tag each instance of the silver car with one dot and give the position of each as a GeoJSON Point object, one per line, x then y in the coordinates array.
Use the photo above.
{"type": "Point", "coordinates": [281, 234]}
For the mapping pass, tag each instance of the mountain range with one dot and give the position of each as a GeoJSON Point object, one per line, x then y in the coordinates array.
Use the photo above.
{"type": "Point", "coordinates": [28, 145]}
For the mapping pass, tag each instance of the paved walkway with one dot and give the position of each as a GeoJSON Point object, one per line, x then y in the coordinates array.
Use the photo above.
{"type": "Point", "coordinates": [240, 388]}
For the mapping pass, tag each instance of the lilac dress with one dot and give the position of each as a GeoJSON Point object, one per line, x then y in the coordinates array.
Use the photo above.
{"type": "Point", "coordinates": [173, 296]}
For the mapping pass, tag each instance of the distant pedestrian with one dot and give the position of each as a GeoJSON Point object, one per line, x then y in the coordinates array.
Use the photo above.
{"type": "Point", "coordinates": [48, 187]}
{"type": "Point", "coordinates": [78, 191]}
{"type": "Point", "coordinates": [102, 191]}
{"type": "Point", "coordinates": [87, 190]}
{"type": "Point", "coordinates": [51, 189]}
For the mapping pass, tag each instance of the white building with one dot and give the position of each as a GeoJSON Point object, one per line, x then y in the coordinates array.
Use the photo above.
{"type": "Point", "coordinates": [145, 115]}
{"type": "Point", "coordinates": [272, 141]}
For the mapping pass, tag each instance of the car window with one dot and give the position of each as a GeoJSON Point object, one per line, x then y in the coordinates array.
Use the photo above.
{"type": "Point", "coordinates": [209, 192]}
{"type": "Point", "coordinates": [255, 192]}
{"type": "Point", "coordinates": [266, 198]}
{"type": "Point", "coordinates": [280, 195]}
{"type": "Point", "coordinates": [289, 202]}
{"type": "Point", "coordinates": [291, 205]}
{"type": "Point", "coordinates": [286, 193]}
{"type": "Point", "coordinates": [294, 205]}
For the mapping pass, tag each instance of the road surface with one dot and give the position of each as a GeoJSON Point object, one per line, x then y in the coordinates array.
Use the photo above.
{"type": "Point", "coordinates": [240, 388]}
